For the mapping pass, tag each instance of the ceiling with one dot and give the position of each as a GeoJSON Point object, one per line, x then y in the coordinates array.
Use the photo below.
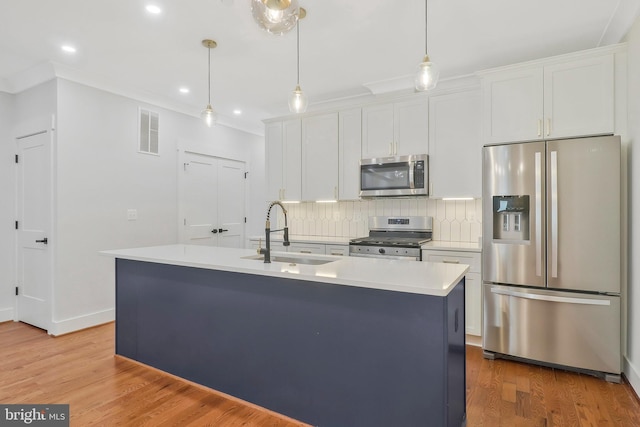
{"type": "Point", "coordinates": [348, 49]}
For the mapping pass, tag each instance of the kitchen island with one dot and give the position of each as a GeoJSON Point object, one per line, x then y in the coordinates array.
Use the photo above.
{"type": "Point", "coordinates": [331, 341]}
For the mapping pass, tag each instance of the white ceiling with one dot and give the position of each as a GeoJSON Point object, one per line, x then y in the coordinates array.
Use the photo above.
{"type": "Point", "coordinates": [345, 45]}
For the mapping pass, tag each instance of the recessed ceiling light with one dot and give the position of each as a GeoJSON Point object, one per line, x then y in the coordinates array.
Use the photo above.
{"type": "Point", "coordinates": [68, 48]}
{"type": "Point", "coordinates": [237, 111]}
{"type": "Point", "coordinates": [152, 8]}
{"type": "Point", "coordinates": [184, 90]}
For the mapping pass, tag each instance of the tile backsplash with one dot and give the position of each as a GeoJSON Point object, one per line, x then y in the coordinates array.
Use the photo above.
{"type": "Point", "coordinates": [453, 220]}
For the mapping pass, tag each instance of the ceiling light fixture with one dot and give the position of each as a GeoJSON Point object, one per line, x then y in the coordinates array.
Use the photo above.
{"type": "Point", "coordinates": [69, 49]}
{"type": "Point", "coordinates": [152, 8]}
{"type": "Point", "coordinates": [427, 76]}
{"type": "Point", "coordinates": [208, 114]}
{"type": "Point", "coordinates": [275, 16]}
{"type": "Point", "coordinates": [298, 100]}
{"type": "Point", "coordinates": [184, 90]}
{"type": "Point", "coordinates": [237, 112]}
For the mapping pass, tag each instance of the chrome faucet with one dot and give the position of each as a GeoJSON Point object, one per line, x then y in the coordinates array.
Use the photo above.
{"type": "Point", "coordinates": [267, 231]}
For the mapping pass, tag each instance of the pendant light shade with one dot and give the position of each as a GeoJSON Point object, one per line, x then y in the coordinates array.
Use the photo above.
{"type": "Point", "coordinates": [275, 16]}
{"type": "Point", "coordinates": [427, 74]}
{"type": "Point", "coordinates": [209, 115]}
{"type": "Point", "coordinates": [297, 99]}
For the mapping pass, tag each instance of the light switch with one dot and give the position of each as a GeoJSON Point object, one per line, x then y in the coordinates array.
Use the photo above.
{"type": "Point", "coordinates": [132, 214]}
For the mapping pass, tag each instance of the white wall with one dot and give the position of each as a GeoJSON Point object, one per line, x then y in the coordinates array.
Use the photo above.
{"type": "Point", "coordinates": [100, 175]}
{"type": "Point", "coordinates": [632, 359]}
{"type": "Point", "coordinates": [7, 211]}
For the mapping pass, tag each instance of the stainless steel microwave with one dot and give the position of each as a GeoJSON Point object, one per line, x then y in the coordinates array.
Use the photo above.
{"type": "Point", "coordinates": [395, 176]}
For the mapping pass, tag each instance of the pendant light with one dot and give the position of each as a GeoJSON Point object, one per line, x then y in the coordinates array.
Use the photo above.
{"type": "Point", "coordinates": [275, 16]}
{"type": "Point", "coordinates": [208, 114]}
{"type": "Point", "coordinates": [427, 75]}
{"type": "Point", "coordinates": [298, 100]}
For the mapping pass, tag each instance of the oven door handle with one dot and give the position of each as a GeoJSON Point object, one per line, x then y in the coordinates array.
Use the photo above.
{"type": "Point", "coordinates": [389, 257]}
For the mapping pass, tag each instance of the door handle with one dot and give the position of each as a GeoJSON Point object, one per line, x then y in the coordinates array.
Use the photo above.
{"type": "Point", "coordinates": [45, 241]}
{"type": "Point", "coordinates": [222, 230]}
{"type": "Point", "coordinates": [214, 231]}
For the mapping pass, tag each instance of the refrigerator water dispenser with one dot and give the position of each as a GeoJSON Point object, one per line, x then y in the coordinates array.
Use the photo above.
{"type": "Point", "coordinates": [511, 218]}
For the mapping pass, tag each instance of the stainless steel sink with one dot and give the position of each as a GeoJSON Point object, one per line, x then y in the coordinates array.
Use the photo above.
{"type": "Point", "coordinates": [291, 259]}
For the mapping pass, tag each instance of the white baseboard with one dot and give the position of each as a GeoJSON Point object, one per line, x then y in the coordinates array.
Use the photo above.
{"type": "Point", "coordinates": [6, 314]}
{"type": "Point", "coordinates": [473, 340]}
{"type": "Point", "coordinates": [61, 327]}
{"type": "Point", "coordinates": [632, 374]}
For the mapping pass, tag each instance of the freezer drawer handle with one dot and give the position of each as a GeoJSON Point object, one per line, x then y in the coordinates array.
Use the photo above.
{"type": "Point", "coordinates": [551, 298]}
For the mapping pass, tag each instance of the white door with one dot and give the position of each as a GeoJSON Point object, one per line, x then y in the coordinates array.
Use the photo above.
{"type": "Point", "coordinates": [211, 201]}
{"type": "Point", "coordinates": [231, 203]}
{"type": "Point", "coordinates": [34, 269]}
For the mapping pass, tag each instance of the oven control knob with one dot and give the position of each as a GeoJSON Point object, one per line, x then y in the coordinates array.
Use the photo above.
{"type": "Point", "coordinates": [381, 250]}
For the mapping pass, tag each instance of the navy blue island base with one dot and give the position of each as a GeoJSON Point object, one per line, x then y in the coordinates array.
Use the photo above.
{"type": "Point", "coordinates": [325, 354]}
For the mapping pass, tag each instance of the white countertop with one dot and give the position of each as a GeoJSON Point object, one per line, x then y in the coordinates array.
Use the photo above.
{"type": "Point", "coordinates": [301, 238]}
{"type": "Point", "coordinates": [393, 275]}
{"type": "Point", "coordinates": [442, 245]}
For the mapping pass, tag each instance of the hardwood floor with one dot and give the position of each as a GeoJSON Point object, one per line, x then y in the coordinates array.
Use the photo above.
{"type": "Point", "coordinates": [81, 370]}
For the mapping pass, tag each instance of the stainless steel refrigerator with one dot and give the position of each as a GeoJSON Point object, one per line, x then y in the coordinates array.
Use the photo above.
{"type": "Point", "coordinates": [551, 253]}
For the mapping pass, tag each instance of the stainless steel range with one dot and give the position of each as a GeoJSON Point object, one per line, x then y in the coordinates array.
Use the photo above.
{"type": "Point", "coordinates": [393, 237]}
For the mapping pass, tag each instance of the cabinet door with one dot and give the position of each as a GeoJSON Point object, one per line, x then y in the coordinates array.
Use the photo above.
{"type": "Point", "coordinates": [292, 156]}
{"type": "Point", "coordinates": [349, 142]}
{"type": "Point", "coordinates": [512, 106]}
{"type": "Point", "coordinates": [377, 131]}
{"type": "Point", "coordinates": [578, 97]}
{"type": "Point", "coordinates": [320, 157]}
{"type": "Point", "coordinates": [411, 131]}
{"type": "Point", "coordinates": [455, 145]}
{"type": "Point", "coordinates": [273, 158]}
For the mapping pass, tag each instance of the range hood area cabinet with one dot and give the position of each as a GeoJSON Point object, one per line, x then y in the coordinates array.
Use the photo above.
{"type": "Point", "coordinates": [395, 129]}
{"type": "Point", "coordinates": [568, 96]}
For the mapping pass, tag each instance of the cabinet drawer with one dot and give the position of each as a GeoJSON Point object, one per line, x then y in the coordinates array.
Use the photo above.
{"type": "Point", "coordinates": [472, 259]}
{"type": "Point", "coordinates": [342, 250]}
{"type": "Point", "coordinates": [306, 248]}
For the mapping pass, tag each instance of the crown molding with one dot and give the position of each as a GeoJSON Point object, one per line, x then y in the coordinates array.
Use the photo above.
{"type": "Point", "coordinates": [46, 71]}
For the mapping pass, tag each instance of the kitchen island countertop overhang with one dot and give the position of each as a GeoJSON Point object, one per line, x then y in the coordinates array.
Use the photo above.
{"type": "Point", "coordinates": [424, 278]}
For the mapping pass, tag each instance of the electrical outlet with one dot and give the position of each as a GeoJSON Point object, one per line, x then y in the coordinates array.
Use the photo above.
{"type": "Point", "coordinates": [132, 214]}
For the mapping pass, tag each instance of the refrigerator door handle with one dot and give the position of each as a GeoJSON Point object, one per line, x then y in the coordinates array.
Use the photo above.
{"type": "Point", "coordinates": [554, 214]}
{"type": "Point", "coordinates": [551, 298]}
{"type": "Point", "coordinates": [538, 230]}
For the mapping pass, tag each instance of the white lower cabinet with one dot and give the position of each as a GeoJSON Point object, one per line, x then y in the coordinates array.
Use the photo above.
{"type": "Point", "coordinates": [303, 247]}
{"type": "Point", "coordinates": [306, 248]}
{"type": "Point", "coordinates": [473, 284]}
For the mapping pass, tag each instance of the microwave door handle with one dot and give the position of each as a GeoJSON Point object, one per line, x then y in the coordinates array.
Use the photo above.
{"type": "Point", "coordinates": [412, 166]}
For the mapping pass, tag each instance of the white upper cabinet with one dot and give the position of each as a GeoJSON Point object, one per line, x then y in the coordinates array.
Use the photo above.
{"type": "Point", "coordinates": [556, 99]}
{"type": "Point", "coordinates": [282, 156]}
{"type": "Point", "coordinates": [395, 129]}
{"type": "Point", "coordinates": [320, 157]}
{"type": "Point", "coordinates": [349, 143]}
{"type": "Point", "coordinates": [273, 158]}
{"type": "Point", "coordinates": [455, 145]}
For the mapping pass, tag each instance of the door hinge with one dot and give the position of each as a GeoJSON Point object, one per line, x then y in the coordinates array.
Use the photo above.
{"type": "Point", "coordinates": [245, 219]}
{"type": "Point", "coordinates": [17, 225]}
{"type": "Point", "coordinates": [245, 175]}
{"type": "Point", "coordinates": [17, 159]}
{"type": "Point", "coordinates": [16, 290]}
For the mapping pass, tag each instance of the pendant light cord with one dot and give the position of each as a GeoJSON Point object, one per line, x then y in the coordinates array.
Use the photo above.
{"type": "Point", "coordinates": [298, 48]}
{"type": "Point", "coordinates": [426, 21]}
{"type": "Point", "coordinates": [209, 49]}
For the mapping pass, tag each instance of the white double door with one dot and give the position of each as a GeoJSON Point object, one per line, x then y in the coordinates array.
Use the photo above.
{"type": "Point", "coordinates": [211, 201]}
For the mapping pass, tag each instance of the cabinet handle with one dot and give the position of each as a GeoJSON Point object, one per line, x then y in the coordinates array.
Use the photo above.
{"type": "Point", "coordinates": [335, 193]}
{"type": "Point", "coordinates": [305, 252]}
{"type": "Point", "coordinates": [548, 127]}
{"type": "Point", "coordinates": [395, 148]}
{"type": "Point", "coordinates": [337, 253]}
{"type": "Point", "coordinates": [539, 127]}
{"type": "Point", "coordinates": [451, 261]}
{"type": "Point", "coordinates": [391, 148]}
